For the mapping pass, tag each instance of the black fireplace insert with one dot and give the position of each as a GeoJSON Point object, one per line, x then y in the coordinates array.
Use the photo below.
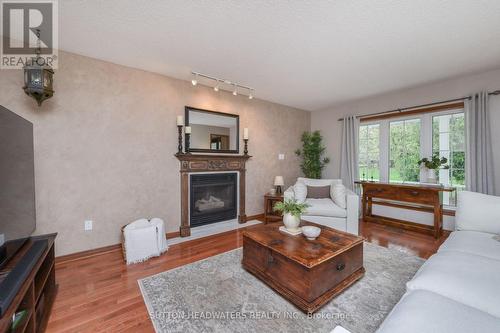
{"type": "Point", "coordinates": [213, 198]}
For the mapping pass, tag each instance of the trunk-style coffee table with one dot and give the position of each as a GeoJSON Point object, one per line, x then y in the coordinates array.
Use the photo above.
{"type": "Point", "coordinates": [307, 273]}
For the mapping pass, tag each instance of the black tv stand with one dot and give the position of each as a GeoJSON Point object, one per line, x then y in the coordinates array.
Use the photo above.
{"type": "Point", "coordinates": [28, 285]}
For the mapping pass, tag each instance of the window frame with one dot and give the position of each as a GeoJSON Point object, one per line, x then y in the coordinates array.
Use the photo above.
{"type": "Point", "coordinates": [425, 137]}
{"type": "Point", "coordinates": [447, 194]}
{"type": "Point", "coordinates": [407, 118]}
{"type": "Point", "coordinates": [379, 146]}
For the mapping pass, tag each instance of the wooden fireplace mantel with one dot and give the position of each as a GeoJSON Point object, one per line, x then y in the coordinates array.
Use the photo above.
{"type": "Point", "coordinates": [191, 163]}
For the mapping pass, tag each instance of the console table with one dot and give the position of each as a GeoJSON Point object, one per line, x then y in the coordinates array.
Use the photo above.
{"type": "Point", "coordinates": [421, 197]}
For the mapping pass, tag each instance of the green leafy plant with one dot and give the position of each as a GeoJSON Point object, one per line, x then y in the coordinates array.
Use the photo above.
{"type": "Point", "coordinates": [312, 153]}
{"type": "Point", "coordinates": [435, 162]}
{"type": "Point", "coordinates": [291, 206]}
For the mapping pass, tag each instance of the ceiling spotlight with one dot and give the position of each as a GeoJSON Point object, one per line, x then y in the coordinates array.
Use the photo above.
{"type": "Point", "coordinates": [225, 85]}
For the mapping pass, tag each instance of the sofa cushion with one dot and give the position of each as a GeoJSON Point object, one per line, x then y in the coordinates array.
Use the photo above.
{"type": "Point", "coordinates": [478, 212]}
{"type": "Point", "coordinates": [300, 190]}
{"type": "Point", "coordinates": [466, 278]}
{"type": "Point", "coordinates": [338, 194]}
{"type": "Point", "coordinates": [324, 207]}
{"type": "Point", "coordinates": [339, 223]}
{"type": "Point", "coordinates": [473, 242]}
{"type": "Point", "coordinates": [319, 182]}
{"type": "Point", "coordinates": [318, 192]}
{"type": "Point", "coordinates": [423, 311]}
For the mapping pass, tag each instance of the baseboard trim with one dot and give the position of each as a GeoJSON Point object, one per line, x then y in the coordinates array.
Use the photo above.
{"type": "Point", "coordinates": [173, 234]}
{"type": "Point", "coordinates": [255, 217]}
{"type": "Point", "coordinates": [99, 251]}
{"type": "Point", "coordinates": [118, 247]}
{"type": "Point", "coordinates": [87, 253]}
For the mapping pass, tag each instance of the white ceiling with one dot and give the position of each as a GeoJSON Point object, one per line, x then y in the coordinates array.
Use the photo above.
{"type": "Point", "coordinates": [309, 54]}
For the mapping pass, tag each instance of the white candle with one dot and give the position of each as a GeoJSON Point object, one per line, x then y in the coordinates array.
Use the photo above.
{"type": "Point", "coordinates": [180, 121]}
{"type": "Point", "coordinates": [188, 129]}
{"type": "Point", "coordinates": [245, 133]}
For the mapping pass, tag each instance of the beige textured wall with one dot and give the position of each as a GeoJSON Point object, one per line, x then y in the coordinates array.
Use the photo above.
{"type": "Point", "coordinates": [104, 146]}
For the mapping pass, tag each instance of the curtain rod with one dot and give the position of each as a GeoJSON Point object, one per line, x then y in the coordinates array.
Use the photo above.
{"type": "Point", "coordinates": [496, 92]}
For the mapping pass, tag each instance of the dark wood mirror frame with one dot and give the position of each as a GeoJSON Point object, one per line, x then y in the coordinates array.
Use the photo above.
{"type": "Point", "coordinates": [215, 151]}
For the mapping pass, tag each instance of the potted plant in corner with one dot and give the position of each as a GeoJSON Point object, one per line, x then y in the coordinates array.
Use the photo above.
{"type": "Point", "coordinates": [291, 210]}
{"type": "Point", "coordinates": [313, 161]}
{"type": "Point", "coordinates": [432, 164]}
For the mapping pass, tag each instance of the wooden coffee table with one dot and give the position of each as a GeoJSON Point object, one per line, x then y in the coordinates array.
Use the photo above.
{"type": "Point", "coordinates": [307, 273]}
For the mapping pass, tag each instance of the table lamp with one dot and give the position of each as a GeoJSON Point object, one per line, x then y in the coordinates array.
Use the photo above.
{"type": "Point", "coordinates": [278, 182]}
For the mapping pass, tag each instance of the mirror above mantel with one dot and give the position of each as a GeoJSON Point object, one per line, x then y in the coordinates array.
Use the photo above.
{"type": "Point", "coordinates": [212, 131]}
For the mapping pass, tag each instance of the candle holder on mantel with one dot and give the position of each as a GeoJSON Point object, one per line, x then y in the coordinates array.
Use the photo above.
{"type": "Point", "coordinates": [188, 135]}
{"type": "Point", "coordinates": [179, 147]}
{"type": "Point", "coordinates": [245, 150]}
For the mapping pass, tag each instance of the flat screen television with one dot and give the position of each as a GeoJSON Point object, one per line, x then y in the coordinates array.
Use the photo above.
{"type": "Point", "coordinates": [17, 183]}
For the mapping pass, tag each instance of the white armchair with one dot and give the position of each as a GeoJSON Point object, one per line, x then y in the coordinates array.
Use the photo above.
{"type": "Point", "coordinates": [325, 211]}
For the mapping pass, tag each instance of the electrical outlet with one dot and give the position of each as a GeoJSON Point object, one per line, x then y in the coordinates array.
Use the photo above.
{"type": "Point", "coordinates": [88, 225]}
{"type": "Point", "coordinates": [281, 157]}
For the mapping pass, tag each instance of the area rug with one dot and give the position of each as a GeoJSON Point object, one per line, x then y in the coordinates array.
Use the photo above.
{"type": "Point", "coordinates": [218, 295]}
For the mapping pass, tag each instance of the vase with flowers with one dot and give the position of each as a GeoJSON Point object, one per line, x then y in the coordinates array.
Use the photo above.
{"type": "Point", "coordinates": [291, 210]}
{"type": "Point", "coordinates": [432, 164]}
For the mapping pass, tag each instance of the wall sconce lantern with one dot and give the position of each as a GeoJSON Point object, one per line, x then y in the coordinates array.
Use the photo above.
{"type": "Point", "coordinates": [38, 77]}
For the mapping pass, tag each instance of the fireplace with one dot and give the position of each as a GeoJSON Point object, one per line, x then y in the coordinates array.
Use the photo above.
{"type": "Point", "coordinates": [212, 198]}
{"type": "Point", "coordinates": [205, 165]}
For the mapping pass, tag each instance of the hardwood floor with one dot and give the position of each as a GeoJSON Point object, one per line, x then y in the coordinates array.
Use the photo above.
{"type": "Point", "coordinates": [100, 293]}
{"type": "Point", "coordinates": [411, 242]}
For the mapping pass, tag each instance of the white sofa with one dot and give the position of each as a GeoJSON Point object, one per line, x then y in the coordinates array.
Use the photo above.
{"type": "Point", "coordinates": [325, 211]}
{"type": "Point", "coordinates": [457, 289]}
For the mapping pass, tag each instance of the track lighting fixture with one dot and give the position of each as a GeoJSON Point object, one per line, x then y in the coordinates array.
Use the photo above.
{"type": "Point", "coordinates": [223, 84]}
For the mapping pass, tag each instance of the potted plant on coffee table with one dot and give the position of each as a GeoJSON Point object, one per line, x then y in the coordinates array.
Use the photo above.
{"type": "Point", "coordinates": [291, 210]}
{"type": "Point", "coordinates": [432, 164]}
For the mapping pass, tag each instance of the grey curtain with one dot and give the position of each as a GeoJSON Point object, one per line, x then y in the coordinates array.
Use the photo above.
{"type": "Point", "coordinates": [349, 151]}
{"type": "Point", "coordinates": [479, 159]}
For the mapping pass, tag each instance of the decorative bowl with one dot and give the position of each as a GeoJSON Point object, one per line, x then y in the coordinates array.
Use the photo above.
{"type": "Point", "coordinates": [311, 232]}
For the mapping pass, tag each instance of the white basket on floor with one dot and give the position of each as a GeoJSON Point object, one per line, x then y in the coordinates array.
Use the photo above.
{"type": "Point", "coordinates": [143, 239]}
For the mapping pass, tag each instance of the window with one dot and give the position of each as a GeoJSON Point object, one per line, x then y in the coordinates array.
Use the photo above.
{"type": "Point", "coordinates": [390, 148]}
{"type": "Point", "coordinates": [448, 139]}
{"type": "Point", "coordinates": [369, 152]}
{"type": "Point", "coordinates": [404, 151]}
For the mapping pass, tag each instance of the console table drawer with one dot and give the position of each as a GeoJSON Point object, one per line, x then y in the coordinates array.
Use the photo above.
{"type": "Point", "coordinates": [416, 196]}
{"type": "Point", "coordinates": [381, 192]}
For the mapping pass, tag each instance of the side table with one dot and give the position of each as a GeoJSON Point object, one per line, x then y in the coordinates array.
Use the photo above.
{"type": "Point", "coordinates": [269, 201]}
